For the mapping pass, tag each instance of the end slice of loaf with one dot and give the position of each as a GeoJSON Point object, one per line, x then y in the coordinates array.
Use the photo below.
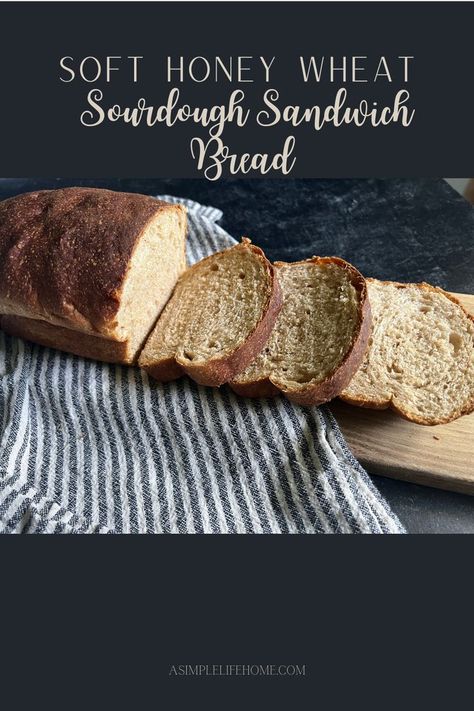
{"type": "Point", "coordinates": [218, 319]}
{"type": "Point", "coordinates": [319, 338]}
{"type": "Point", "coordinates": [420, 360]}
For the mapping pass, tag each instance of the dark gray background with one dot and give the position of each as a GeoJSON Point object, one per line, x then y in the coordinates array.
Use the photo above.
{"type": "Point", "coordinates": [40, 114]}
{"type": "Point", "coordinates": [387, 616]}
{"type": "Point", "coordinates": [403, 229]}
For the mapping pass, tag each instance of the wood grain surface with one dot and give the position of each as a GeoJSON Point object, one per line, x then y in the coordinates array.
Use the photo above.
{"type": "Point", "coordinates": [441, 456]}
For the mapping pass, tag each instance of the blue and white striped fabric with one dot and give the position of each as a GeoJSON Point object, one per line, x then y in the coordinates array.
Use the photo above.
{"type": "Point", "coordinates": [89, 447]}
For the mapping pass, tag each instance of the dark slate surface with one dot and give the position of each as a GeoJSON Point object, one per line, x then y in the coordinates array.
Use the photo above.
{"type": "Point", "coordinates": [402, 229]}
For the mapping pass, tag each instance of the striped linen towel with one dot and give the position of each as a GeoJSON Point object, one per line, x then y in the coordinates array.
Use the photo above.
{"type": "Point", "coordinates": [91, 447]}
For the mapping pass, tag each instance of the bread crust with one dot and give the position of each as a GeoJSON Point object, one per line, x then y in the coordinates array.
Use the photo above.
{"type": "Point", "coordinates": [388, 403]}
{"type": "Point", "coordinates": [219, 370]}
{"type": "Point", "coordinates": [164, 370]}
{"type": "Point", "coordinates": [255, 389]}
{"type": "Point", "coordinates": [65, 254]}
{"type": "Point", "coordinates": [66, 339]}
{"type": "Point", "coordinates": [331, 386]}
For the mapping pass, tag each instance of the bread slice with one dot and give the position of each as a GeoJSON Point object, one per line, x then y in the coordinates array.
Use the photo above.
{"type": "Point", "coordinates": [420, 361]}
{"type": "Point", "coordinates": [91, 262]}
{"type": "Point", "coordinates": [219, 317]}
{"type": "Point", "coordinates": [319, 338]}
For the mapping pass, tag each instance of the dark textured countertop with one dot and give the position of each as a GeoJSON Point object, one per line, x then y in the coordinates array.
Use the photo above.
{"type": "Point", "coordinates": [403, 229]}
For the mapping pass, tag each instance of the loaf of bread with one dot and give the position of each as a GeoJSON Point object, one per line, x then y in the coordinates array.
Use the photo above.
{"type": "Point", "coordinates": [319, 338]}
{"type": "Point", "coordinates": [87, 270]}
{"type": "Point", "coordinates": [219, 318]}
{"type": "Point", "coordinates": [420, 360]}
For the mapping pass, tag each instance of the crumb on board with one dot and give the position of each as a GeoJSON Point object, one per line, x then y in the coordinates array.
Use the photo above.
{"type": "Point", "coordinates": [435, 437]}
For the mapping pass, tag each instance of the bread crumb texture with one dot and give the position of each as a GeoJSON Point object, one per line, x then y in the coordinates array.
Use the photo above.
{"type": "Point", "coordinates": [314, 330]}
{"type": "Point", "coordinates": [420, 359]}
{"type": "Point", "coordinates": [215, 306]}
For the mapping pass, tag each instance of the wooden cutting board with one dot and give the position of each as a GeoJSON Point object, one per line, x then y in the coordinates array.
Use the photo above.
{"type": "Point", "coordinates": [384, 443]}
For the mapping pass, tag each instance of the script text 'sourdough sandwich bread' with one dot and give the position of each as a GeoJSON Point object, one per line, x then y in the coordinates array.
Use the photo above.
{"type": "Point", "coordinates": [86, 270]}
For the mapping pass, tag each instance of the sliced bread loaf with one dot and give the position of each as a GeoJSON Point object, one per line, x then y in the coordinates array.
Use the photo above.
{"type": "Point", "coordinates": [93, 267]}
{"type": "Point", "coordinates": [420, 361]}
{"type": "Point", "coordinates": [218, 319]}
{"type": "Point", "coordinates": [319, 338]}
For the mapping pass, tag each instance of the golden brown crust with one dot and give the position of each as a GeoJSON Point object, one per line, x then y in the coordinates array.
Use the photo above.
{"type": "Point", "coordinates": [164, 370]}
{"type": "Point", "coordinates": [257, 388]}
{"type": "Point", "coordinates": [407, 414]}
{"type": "Point", "coordinates": [219, 370]}
{"type": "Point", "coordinates": [65, 339]}
{"type": "Point", "coordinates": [388, 403]}
{"type": "Point", "coordinates": [330, 387]}
{"type": "Point", "coordinates": [64, 254]}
